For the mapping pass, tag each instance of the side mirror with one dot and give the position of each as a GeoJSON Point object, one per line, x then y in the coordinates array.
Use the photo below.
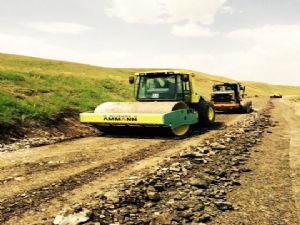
{"type": "Point", "coordinates": [185, 78]}
{"type": "Point", "coordinates": [131, 80]}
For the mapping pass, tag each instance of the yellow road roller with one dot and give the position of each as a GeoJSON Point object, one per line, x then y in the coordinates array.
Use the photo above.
{"type": "Point", "coordinates": [166, 100]}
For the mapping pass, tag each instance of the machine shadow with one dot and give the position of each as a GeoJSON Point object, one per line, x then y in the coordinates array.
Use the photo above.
{"type": "Point", "coordinates": [159, 133]}
{"type": "Point", "coordinates": [229, 112]}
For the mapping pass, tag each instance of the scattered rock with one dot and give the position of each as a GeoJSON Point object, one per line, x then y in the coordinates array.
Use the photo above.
{"type": "Point", "coordinates": [199, 183]}
{"type": "Point", "coordinates": [153, 195]}
{"type": "Point", "coordinates": [191, 155]}
{"type": "Point", "coordinates": [204, 218]}
{"type": "Point", "coordinates": [175, 167]}
{"type": "Point", "coordinates": [223, 205]}
{"type": "Point", "coordinates": [19, 178]}
{"type": "Point", "coordinates": [26, 143]}
{"type": "Point", "coordinates": [73, 217]}
{"type": "Point", "coordinates": [189, 188]}
{"type": "Point", "coordinates": [217, 146]}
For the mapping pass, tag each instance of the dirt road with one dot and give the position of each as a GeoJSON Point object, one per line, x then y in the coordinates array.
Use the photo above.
{"type": "Point", "coordinates": [271, 193]}
{"type": "Point", "coordinates": [36, 184]}
{"type": "Point", "coordinates": [40, 181]}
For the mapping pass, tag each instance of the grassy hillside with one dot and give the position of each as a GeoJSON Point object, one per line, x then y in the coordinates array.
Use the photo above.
{"type": "Point", "coordinates": [38, 89]}
{"type": "Point", "coordinates": [206, 81]}
{"type": "Point", "coordinates": [33, 89]}
{"type": "Point", "coordinates": [295, 99]}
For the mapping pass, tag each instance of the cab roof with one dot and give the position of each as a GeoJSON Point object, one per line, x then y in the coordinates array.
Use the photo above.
{"type": "Point", "coordinates": [163, 72]}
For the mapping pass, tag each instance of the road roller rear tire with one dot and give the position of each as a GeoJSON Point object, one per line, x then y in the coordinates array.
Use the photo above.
{"type": "Point", "coordinates": [207, 113]}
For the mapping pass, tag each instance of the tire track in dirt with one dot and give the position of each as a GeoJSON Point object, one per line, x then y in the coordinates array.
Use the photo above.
{"type": "Point", "coordinates": [30, 199]}
{"type": "Point", "coordinates": [47, 162]}
{"type": "Point", "coordinates": [36, 171]}
{"type": "Point", "coordinates": [18, 204]}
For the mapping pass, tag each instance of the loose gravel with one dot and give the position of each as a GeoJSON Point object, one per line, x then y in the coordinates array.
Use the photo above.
{"type": "Point", "coordinates": [188, 188]}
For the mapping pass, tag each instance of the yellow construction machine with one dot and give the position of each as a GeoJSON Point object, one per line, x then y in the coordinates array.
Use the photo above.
{"type": "Point", "coordinates": [230, 97]}
{"type": "Point", "coordinates": [276, 95]}
{"type": "Point", "coordinates": [164, 99]}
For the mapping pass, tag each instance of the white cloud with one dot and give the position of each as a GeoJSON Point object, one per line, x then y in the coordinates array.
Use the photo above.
{"type": "Point", "coordinates": [268, 34]}
{"type": "Point", "coordinates": [165, 11]}
{"type": "Point", "coordinates": [192, 30]}
{"type": "Point", "coordinates": [59, 27]}
{"type": "Point", "coordinates": [269, 53]}
{"type": "Point", "coordinates": [37, 47]}
{"type": "Point", "coordinates": [277, 43]}
{"type": "Point", "coordinates": [137, 11]}
{"type": "Point", "coordinates": [26, 45]}
{"type": "Point", "coordinates": [228, 10]}
{"type": "Point", "coordinates": [201, 11]}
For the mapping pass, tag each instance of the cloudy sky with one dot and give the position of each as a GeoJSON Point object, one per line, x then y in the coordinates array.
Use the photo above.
{"type": "Point", "coordinates": [242, 39]}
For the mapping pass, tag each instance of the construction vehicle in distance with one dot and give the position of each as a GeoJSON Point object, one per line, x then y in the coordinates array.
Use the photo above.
{"type": "Point", "coordinates": [166, 100]}
{"type": "Point", "coordinates": [276, 95]}
{"type": "Point", "coordinates": [230, 97]}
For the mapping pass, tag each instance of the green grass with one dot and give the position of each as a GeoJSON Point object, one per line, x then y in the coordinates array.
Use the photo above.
{"type": "Point", "coordinates": [295, 99]}
{"type": "Point", "coordinates": [38, 89]}
{"type": "Point", "coordinates": [33, 89]}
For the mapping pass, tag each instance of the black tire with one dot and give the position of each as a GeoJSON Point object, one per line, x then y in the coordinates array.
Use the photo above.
{"type": "Point", "coordinates": [204, 110]}
{"type": "Point", "coordinates": [246, 108]}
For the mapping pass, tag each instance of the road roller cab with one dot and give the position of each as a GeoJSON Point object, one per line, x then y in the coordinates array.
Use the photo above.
{"type": "Point", "coordinates": [164, 99]}
{"type": "Point", "coordinates": [164, 86]}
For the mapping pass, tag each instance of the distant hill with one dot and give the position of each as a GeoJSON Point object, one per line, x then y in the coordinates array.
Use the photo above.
{"type": "Point", "coordinates": [33, 90]}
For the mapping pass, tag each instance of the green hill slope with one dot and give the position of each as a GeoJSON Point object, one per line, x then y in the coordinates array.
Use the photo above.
{"type": "Point", "coordinates": [34, 90]}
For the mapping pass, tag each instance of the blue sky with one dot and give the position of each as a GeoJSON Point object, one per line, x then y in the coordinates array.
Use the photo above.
{"type": "Point", "coordinates": [242, 39]}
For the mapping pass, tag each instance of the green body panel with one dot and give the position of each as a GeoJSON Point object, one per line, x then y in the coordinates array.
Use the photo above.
{"type": "Point", "coordinates": [180, 117]}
